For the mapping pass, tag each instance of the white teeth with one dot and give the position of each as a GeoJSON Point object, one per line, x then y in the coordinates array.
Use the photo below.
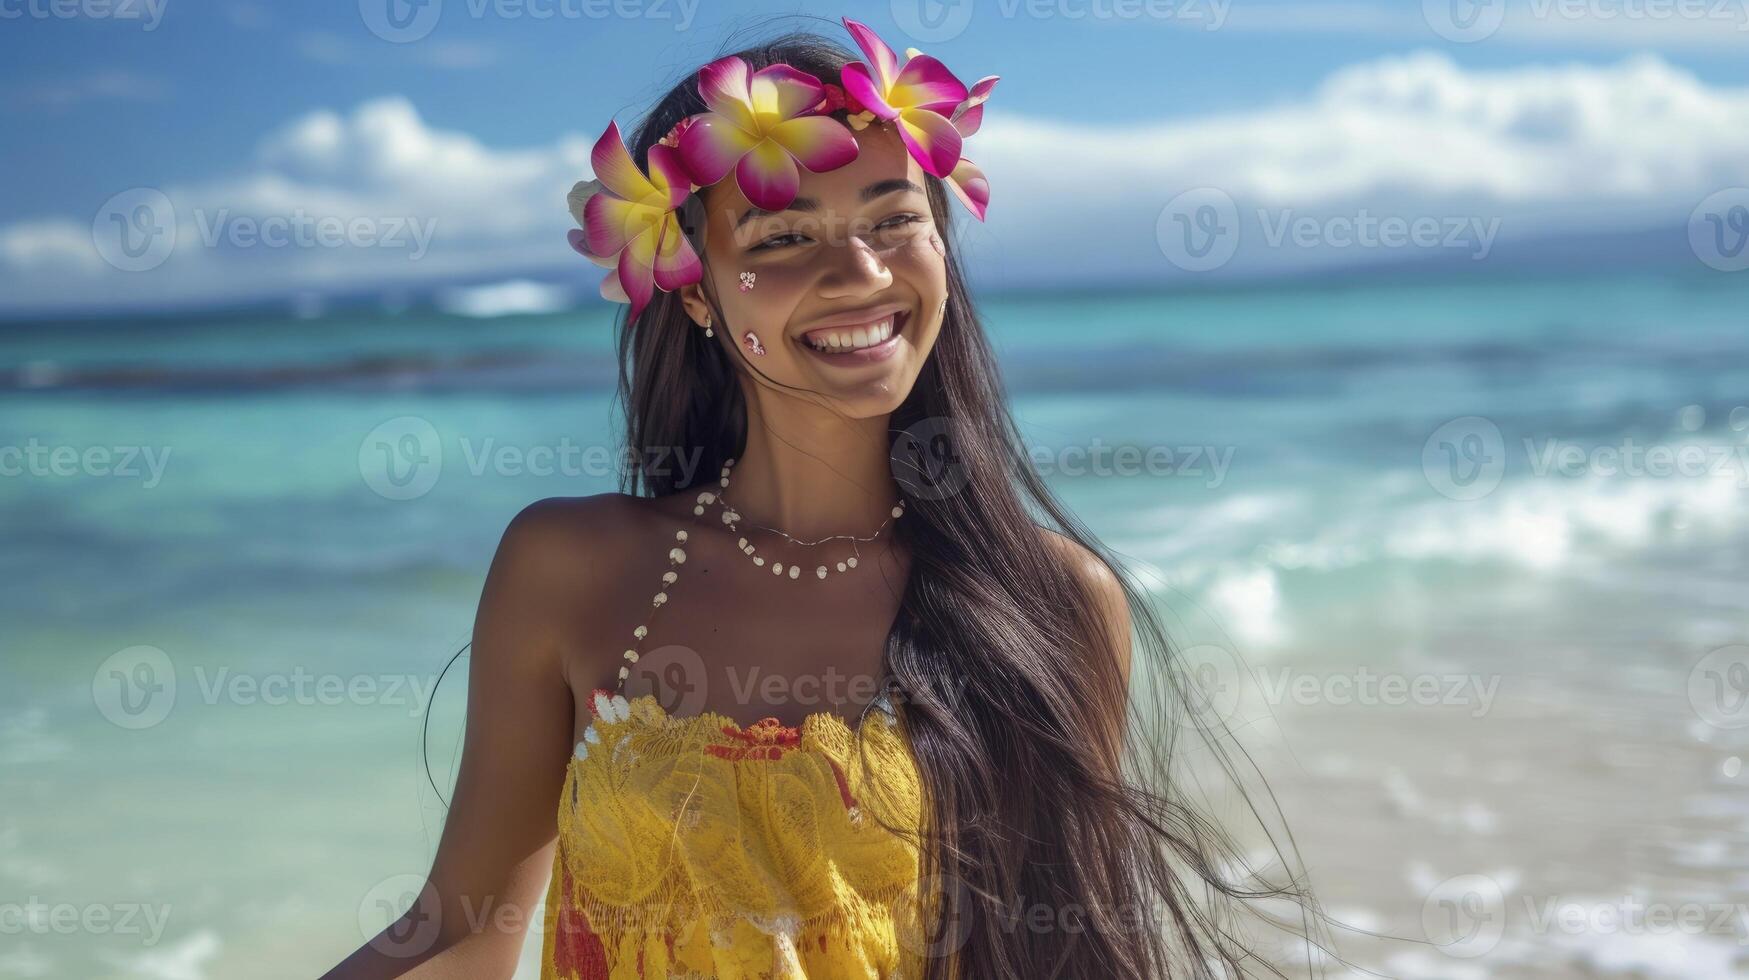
{"type": "Point", "coordinates": [852, 338]}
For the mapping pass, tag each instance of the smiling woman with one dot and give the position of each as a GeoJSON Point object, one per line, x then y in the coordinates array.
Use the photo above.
{"type": "Point", "coordinates": [1001, 805]}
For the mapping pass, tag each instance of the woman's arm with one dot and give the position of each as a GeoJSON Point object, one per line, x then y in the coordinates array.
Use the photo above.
{"type": "Point", "coordinates": [496, 850]}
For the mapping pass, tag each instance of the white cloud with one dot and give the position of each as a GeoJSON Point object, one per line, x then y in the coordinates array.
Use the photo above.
{"type": "Point", "coordinates": [398, 200]}
{"type": "Point", "coordinates": [1412, 127]}
{"type": "Point", "coordinates": [53, 244]}
{"type": "Point", "coordinates": [1537, 149]}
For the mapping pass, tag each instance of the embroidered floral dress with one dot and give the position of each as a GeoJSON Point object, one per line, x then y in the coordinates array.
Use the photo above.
{"type": "Point", "coordinates": [696, 848]}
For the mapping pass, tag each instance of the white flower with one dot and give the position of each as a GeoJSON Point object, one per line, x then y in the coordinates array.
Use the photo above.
{"type": "Point", "coordinates": [590, 737]}
{"type": "Point", "coordinates": [611, 708]}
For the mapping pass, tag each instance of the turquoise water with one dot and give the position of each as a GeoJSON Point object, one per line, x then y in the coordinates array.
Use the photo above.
{"type": "Point", "coordinates": [271, 549]}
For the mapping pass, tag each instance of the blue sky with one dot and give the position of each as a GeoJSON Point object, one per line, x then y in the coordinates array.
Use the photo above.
{"type": "Point", "coordinates": [193, 96]}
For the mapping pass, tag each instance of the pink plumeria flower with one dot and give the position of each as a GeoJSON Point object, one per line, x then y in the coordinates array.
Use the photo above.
{"type": "Point", "coordinates": [917, 97]}
{"type": "Point", "coordinates": [967, 181]}
{"type": "Point", "coordinates": [629, 222]}
{"type": "Point", "coordinates": [762, 125]}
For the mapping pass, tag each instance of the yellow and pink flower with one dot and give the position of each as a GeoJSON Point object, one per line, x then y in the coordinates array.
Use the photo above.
{"type": "Point", "coordinates": [918, 98]}
{"type": "Point", "coordinates": [763, 125]}
{"type": "Point", "coordinates": [967, 181]}
{"type": "Point", "coordinates": [629, 223]}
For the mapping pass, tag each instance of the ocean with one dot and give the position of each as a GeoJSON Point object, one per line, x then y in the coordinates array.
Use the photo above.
{"type": "Point", "coordinates": [1462, 560]}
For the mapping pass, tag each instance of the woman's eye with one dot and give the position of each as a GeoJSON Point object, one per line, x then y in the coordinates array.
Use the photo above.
{"type": "Point", "coordinates": [778, 241]}
{"type": "Point", "coordinates": [899, 220]}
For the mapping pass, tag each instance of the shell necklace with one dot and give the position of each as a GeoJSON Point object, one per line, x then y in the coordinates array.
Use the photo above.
{"type": "Point", "coordinates": [677, 555]}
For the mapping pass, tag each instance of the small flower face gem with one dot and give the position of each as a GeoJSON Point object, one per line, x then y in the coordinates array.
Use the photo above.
{"type": "Point", "coordinates": [752, 342]}
{"type": "Point", "coordinates": [747, 280]}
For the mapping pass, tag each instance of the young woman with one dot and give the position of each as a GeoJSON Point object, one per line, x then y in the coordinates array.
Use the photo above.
{"type": "Point", "coordinates": [837, 689]}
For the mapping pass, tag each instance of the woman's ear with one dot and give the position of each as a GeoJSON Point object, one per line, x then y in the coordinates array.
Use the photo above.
{"type": "Point", "coordinates": [692, 299]}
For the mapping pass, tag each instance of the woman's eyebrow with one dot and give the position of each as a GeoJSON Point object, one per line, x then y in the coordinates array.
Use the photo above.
{"type": "Point", "coordinates": [879, 188]}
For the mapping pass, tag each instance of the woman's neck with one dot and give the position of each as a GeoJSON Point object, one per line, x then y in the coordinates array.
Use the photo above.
{"type": "Point", "coordinates": [812, 474]}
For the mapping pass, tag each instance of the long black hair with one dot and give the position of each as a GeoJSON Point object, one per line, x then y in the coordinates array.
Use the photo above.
{"type": "Point", "coordinates": [1033, 798]}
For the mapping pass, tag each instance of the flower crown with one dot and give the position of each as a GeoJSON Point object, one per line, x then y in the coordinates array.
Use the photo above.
{"type": "Point", "coordinates": [763, 125]}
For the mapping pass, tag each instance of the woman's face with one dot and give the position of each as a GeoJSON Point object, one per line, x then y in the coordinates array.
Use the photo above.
{"type": "Point", "coordinates": [855, 258]}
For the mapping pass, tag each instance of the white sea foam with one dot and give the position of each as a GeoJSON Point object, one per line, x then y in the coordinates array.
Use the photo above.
{"type": "Point", "coordinates": [184, 960]}
{"type": "Point", "coordinates": [514, 296]}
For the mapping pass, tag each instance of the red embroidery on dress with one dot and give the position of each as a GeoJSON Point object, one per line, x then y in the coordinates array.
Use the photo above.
{"type": "Point", "coordinates": [843, 784]}
{"type": "Point", "coordinates": [766, 738]}
{"type": "Point", "coordinates": [577, 951]}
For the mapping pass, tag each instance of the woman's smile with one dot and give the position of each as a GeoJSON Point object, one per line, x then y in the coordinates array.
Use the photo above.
{"type": "Point", "coordinates": [857, 338]}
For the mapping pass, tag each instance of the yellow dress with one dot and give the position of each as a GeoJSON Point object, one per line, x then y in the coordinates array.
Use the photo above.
{"type": "Point", "coordinates": [691, 847]}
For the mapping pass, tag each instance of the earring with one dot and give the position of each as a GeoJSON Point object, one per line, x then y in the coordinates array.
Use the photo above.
{"type": "Point", "coordinates": [747, 280]}
{"type": "Point", "coordinates": [752, 342]}
{"type": "Point", "coordinates": [707, 326]}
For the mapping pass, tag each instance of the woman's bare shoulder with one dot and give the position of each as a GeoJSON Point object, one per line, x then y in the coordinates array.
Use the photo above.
{"type": "Point", "coordinates": [565, 531]}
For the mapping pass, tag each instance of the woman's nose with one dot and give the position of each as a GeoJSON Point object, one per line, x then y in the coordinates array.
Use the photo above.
{"type": "Point", "coordinates": [857, 270]}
